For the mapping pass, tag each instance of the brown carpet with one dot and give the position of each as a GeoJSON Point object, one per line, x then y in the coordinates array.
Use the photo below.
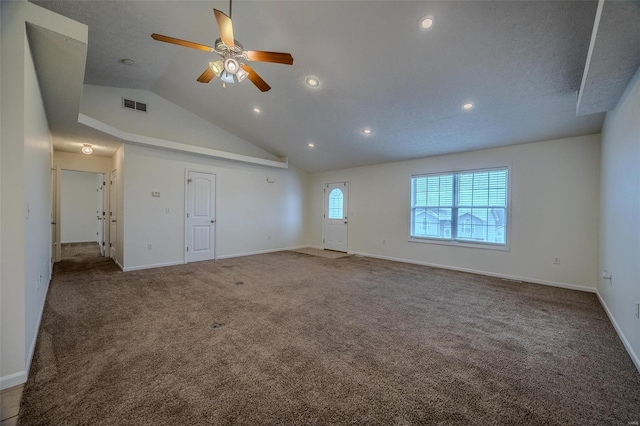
{"type": "Point", "coordinates": [287, 338]}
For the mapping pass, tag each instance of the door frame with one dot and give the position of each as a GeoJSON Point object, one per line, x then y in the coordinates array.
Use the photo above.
{"type": "Point", "coordinates": [186, 205]}
{"type": "Point", "coordinates": [56, 255]}
{"type": "Point", "coordinates": [324, 207]}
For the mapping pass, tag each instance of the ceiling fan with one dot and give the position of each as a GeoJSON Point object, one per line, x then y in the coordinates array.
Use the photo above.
{"type": "Point", "coordinates": [232, 67]}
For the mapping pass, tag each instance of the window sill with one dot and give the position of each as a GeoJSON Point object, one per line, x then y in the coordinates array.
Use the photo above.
{"type": "Point", "coordinates": [454, 243]}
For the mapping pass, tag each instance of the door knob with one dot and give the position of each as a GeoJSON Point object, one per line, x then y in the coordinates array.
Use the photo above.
{"type": "Point", "coordinates": [53, 223]}
{"type": "Point", "coordinates": [114, 221]}
{"type": "Point", "coordinates": [345, 221]}
{"type": "Point", "coordinates": [213, 221]}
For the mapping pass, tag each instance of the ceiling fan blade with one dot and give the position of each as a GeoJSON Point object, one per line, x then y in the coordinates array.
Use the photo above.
{"type": "Point", "coordinates": [180, 42]}
{"type": "Point", "coordinates": [276, 57]}
{"type": "Point", "coordinates": [226, 28]}
{"type": "Point", "coordinates": [256, 79]}
{"type": "Point", "coordinates": [206, 76]}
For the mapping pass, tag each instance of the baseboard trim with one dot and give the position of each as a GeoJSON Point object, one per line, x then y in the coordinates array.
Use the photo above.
{"type": "Point", "coordinates": [253, 253]}
{"type": "Point", "coordinates": [625, 342]}
{"type": "Point", "coordinates": [475, 271]}
{"type": "Point", "coordinates": [32, 349]}
{"type": "Point", "coordinates": [21, 376]}
{"type": "Point", "coordinates": [155, 265]}
{"type": "Point", "coordinates": [182, 262]}
{"type": "Point", "coordinates": [118, 264]}
{"type": "Point", "coordinates": [14, 379]}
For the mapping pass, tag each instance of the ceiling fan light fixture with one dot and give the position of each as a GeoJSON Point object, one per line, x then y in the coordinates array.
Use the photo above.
{"type": "Point", "coordinates": [86, 149]}
{"type": "Point", "coordinates": [241, 75]}
{"type": "Point", "coordinates": [231, 66]}
{"type": "Point", "coordinates": [226, 77]}
{"type": "Point", "coordinates": [217, 67]}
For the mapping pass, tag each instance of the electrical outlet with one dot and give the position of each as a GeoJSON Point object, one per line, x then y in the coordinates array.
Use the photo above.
{"type": "Point", "coordinates": [167, 211]}
{"type": "Point", "coordinates": [268, 237]}
{"type": "Point", "coordinates": [149, 246]}
{"type": "Point", "coordinates": [556, 260]}
{"type": "Point", "coordinates": [384, 242]}
{"type": "Point", "coordinates": [638, 310]}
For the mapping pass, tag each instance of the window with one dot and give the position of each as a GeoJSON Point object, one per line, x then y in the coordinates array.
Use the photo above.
{"type": "Point", "coordinates": [469, 207]}
{"type": "Point", "coordinates": [336, 203]}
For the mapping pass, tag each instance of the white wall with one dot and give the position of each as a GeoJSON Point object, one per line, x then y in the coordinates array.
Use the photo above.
{"type": "Point", "coordinates": [38, 156]}
{"type": "Point", "coordinates": [554, 211]}
{"type": "Point", "coordinates": [78, 207]}
{"type": "Point", "coordinates": [12, 280]}
{"type": "Point", "coordinates": [26, 188]}
{"type": "Point", "coordinates": [620, 216]}
{"type": "Point", "coordinates": [163, 120]}
{"type": "Point", "coordinates": [252, 215]}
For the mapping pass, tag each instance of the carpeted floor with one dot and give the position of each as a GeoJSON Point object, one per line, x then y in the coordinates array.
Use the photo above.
{"type": "Point", "coordinates": [287, 338]}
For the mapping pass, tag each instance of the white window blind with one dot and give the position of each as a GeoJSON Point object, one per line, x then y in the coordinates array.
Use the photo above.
{"type": "Point", "coordinates": [468, 206]}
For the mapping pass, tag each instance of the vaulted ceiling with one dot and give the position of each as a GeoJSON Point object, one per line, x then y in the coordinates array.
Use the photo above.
{"type": "Point", "coordinates": [520, 63]}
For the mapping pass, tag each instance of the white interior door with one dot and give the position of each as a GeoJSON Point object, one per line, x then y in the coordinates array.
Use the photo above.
{"type": "Point", "coordinates": [335, 229]}
{"type": "Point", "coordinates": [99, 209]}
{"type": "Point", "coordinates": [105, 222]}
{"type": "Point", "coordinates": [113, 217]}
{"type": "Point", "coordinates": [54, 201]}
{"type": "Point", "coordinates": [201, 216]}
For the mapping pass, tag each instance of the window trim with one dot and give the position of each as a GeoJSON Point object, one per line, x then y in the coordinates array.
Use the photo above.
{"type": "Point", "coordinates": [464, 243]}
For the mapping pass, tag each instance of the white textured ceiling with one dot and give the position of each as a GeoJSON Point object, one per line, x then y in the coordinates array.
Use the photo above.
{"type": "Point", "coordinates": [520, 62]}
{"type": "Point", "coordinates": [614, 56]}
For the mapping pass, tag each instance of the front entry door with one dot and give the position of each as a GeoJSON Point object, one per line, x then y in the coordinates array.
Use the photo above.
{"type": "Point", "coordinates": [335, 230]}
{"type": "Point", "coordinates": [201, 216]}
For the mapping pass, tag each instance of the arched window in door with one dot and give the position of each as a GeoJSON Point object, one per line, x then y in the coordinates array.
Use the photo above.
{"type": "Point", "coordinates": [336, 203]}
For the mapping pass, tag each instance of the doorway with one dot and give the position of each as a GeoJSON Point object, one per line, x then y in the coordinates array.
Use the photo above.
{"type": "Point", "coordinates": [200, 217]}
{"type": "Point", "coordinates": [335, 225]}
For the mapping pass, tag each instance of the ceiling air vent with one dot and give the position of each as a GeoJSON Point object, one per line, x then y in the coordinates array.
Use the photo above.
{"type": "Point", "coordinates": [138, 106]}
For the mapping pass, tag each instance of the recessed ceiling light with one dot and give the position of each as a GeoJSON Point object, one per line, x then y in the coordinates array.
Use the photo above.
{"type": "Point", "coordinates": [86, 149]}
{"type": "Point", "coordinates": [257, 110]}
{"type": "Point", "coordinates": [467, 106]}
{"type": "Point", "coordinates": [366, 131]}
{"type": "Point", "coordinates": [312, 82]}
{"type": "Point", "coordinates": [128, 62]}
{"type": "Point", "coordinates": [311, 144]}
{"type": "Point", "coordinates": [426, 23]}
